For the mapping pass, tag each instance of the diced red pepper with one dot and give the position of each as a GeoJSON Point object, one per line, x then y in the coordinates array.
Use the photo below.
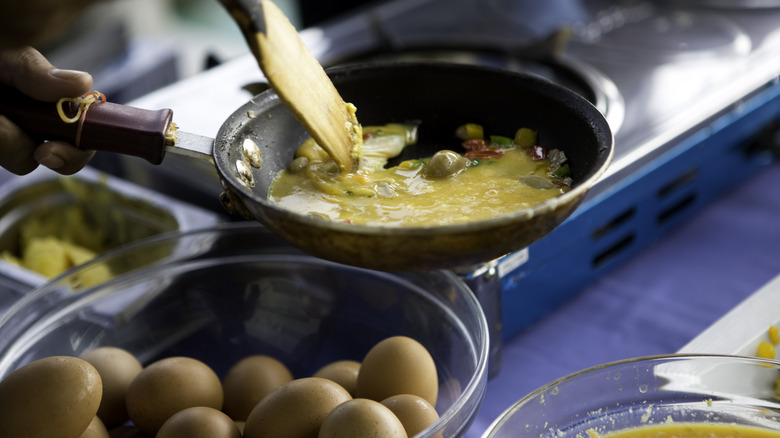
{"type": "Point", "coordinates": [476, 145]}
{"type": "Point", "coordinates": [483, 154]}
{"type": "Point", "coordinates": [480, 149]}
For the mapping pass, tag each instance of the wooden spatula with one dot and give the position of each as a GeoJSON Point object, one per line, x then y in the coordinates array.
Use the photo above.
{"type": "Point", "coordinates": [299, 79]}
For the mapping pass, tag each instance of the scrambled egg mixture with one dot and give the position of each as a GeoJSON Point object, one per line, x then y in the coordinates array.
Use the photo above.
{"type": "Point", "coordinates": [692, 430]}
{"type": "Point", "coordinates": [489, 177]}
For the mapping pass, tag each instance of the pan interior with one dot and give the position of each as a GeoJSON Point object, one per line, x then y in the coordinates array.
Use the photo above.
{"type": "Point", "coordinates": [441, 97]}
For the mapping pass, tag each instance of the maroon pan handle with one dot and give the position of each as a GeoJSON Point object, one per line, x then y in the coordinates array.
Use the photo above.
{"type": "Point", "coordinates": [105, 126]}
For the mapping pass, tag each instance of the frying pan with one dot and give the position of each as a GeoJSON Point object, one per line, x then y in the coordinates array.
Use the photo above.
{"type": "Point", "coordinates": [441, 96]}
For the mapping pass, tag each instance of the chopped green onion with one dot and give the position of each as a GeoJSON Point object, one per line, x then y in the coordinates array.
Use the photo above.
{"type": "Point", "coordinates": [500, 141]}
{"type": "Point", "coordinates": [560, 172]}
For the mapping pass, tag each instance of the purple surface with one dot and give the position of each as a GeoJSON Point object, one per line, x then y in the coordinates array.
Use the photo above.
{"type": "Point", "coordinates": [656, 302]}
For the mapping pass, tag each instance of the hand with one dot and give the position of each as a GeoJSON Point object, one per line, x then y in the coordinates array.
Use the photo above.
{"type": "Point", "coordinates": [29, 72]}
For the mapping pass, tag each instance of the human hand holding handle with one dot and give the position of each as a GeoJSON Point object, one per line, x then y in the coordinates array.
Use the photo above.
{"type": "Point", "coordinates": [27, 71]}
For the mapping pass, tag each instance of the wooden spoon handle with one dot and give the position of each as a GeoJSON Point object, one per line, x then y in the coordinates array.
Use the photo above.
{"type": "Point", "coordinates": [249, 16]}
{"type": "Point", "coordinates": [298, 78]}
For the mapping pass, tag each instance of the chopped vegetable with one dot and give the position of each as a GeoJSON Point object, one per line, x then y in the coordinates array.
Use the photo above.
{"type": "Point", "coordinates": [525, 137]}
{"type": "Point", "coordinates": [470, 131]}
{"type": "Point", "coordinates": [480, 149]}
{"type": "Point", "coordinates": [476, 145]}
{"type": "Point", "coordinates": [538, 153]}
{"type": "Point", "coordinates": [559, 167]}
{"type": "Point", "coordinates": [766, 350]}
{"type": "Point", "coordinates": [560, 172]}
{"type": "Point", "coordinates": [411, 164]}
{"type": "Point", "coordinates": [501, 141]}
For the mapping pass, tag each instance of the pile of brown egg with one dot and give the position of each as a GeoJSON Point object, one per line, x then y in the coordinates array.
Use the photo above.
{"type": "Point", "coordinates": [107, 393]}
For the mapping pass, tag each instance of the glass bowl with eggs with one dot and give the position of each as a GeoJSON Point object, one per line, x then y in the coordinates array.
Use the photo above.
{"type": "Point", "coordinates": [684, 396]}
{"type": "Point", "coordinates": [229, 329]}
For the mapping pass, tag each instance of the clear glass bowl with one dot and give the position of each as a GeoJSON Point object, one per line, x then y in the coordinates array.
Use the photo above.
{"type": "Point", "coordinates": [221, 294]}
{"type": "Point", "coordinates": [645, 391]}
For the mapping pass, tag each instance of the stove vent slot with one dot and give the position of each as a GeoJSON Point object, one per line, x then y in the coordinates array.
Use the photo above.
{"type": "Point", "coordinates": [615, 223]}
{"type": "Point", "coordinates": [613, 251]}
{"type": "Point", "coordinates": [610, 234]}
{"type": "Point", "coordinates": [672, 193]}
{"type": "Point", "coordinates": [681, 181]}
{"type": "Point", "coordinates": [676, 208]}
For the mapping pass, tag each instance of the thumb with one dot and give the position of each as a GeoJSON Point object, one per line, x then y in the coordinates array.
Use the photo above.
{"type": "Point", "coordinates": [31, 73]}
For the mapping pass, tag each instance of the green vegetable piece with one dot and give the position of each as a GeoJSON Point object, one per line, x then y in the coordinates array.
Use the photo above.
{"type": "Point", "coordinates": [525, 137]}
{"type": "Point", "coordinates": [411, 164]}
{"type": "Point", "coordinates": [500, 141]}
{"type": "Point", "coordinates": [470, 131]}
{"type": "Point", "coordinates": [560, 172]}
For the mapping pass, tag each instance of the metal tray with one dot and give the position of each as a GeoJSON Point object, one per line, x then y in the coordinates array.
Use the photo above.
{"type": "Point", "coordinates": [120, 211]}
{"type": "Point", "coordinates": [741, 330]}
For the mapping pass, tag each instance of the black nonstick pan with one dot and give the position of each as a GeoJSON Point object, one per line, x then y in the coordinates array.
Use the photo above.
{"type": "Point", "coordinates": [441, 96]}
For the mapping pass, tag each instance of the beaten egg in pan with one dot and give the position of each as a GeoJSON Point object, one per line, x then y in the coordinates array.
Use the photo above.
{"type": "Point", "coordinates": [475, 178]}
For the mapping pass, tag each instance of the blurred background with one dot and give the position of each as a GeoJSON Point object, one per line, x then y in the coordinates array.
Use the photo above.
{"type": "Point", "coordinates": [133, 47]}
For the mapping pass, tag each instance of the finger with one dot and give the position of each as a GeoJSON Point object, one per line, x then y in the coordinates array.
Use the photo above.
{"type": "Point", "coordinates": [17, 149]}
{"type": "Point", "coordinates": [62, 157]}
{"type": "Point", "coordinates": [31, 73]}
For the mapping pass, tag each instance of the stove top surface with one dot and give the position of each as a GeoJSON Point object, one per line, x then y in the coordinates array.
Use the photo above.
{"type": "Point", "coordinates": [657, 70]}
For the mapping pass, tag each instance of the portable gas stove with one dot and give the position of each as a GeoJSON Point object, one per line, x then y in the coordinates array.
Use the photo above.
{"type": "Point", "coordinates": [690, 89]}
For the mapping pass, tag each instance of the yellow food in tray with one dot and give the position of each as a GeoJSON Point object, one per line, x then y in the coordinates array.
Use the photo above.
{"type": "Point", "coordinates": [50, 244]}
{"type": "Point", "coordinates": [50, 256]}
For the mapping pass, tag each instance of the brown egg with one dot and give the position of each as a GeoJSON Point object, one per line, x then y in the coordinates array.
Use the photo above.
{"type": "Point", "coordinates": [295, 409]}
{"type": "Point", "coordinates": [398, 365]}
{"type": "Point", "coordinates": [56, 396]}
{"type": "Point", "coordinates": [96, 429]}
{"type": "Point", "coordinates": [248, 381]}
{"type": "Point", "coordinates": [415, 413]}
{"type": "Point", "coordinates": [168, 386]}
{"type": "Point", "coordinates": [117, 370]}
{"type": "Point", "coordinates": [343, 372]}
{"type": "Point", "coordinates": [199, 422]}
{"type": "Point", "coordinates": [361, 417]}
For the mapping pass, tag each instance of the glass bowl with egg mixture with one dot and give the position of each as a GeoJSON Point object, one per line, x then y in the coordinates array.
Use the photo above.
{"type": "Point", "coordinates": [678, 395]}
{"type": "Point", "coordinates": [224, 293]}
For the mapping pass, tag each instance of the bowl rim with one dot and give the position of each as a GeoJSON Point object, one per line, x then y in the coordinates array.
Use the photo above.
{"type": "Point", "coordinates": [505, 415]}
{"type": "Point", "coordinates": [479, 338]}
